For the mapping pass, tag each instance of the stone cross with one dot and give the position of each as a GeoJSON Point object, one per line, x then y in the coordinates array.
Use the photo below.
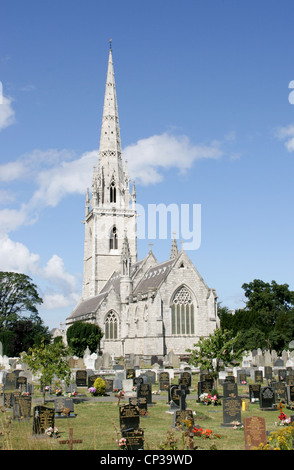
{"type": "Point", "coordinates": [71, 441]}
{"type": "Point", "coordinates": [181, 392]}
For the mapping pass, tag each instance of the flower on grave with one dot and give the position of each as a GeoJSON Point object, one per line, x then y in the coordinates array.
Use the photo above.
{"type": "Point", "coordinates": [58, 391]}
{"type": "Point", "coordinates": [243, 382]}
{"type": "Point", "coordinates": [52, 431]}
{"type": "Point", "coordinates": [122, 442]}
{"type": "Point", "coordinates": [25, 394]}
{"type": "Point", "coordinates": [209, 399]}
{"type": "Point", "coordinates": [92, 390]}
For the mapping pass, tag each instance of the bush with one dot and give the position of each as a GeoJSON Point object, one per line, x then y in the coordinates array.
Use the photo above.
{"type": "Point", "coordinates": [99, 385]}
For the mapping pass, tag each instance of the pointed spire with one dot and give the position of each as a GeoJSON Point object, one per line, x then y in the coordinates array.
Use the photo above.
{"type": "Point", "coordinates": [110, 132]}
{"type": "Point", "coordinates": [126, 257]}
{"type": "Point", "coordinates": [174, 249]}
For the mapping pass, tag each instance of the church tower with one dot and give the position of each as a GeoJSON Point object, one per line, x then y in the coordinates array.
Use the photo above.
{"type": "Point", "coordinates": [111, 210]}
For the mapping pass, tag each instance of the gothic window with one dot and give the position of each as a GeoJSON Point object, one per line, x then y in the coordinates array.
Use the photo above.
{"type": "Point", "coordinates": [112, 192]}
{"type": "Point", "coordinates": [111, 326]}
{"type": "Point", "coordinates": [113, 242]}
{"type": "Point", "coordinates": [182, 313]}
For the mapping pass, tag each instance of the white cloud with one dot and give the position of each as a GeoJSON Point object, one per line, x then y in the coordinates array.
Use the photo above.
{"type": "Point", "coordinates": [68, 178]}
{"type": "Point", "coordinates": [55, 272]}
{"type": "Point", "coordinates": [59, 288]}
{"type": "Point", "coordinates": [15, 256]}
{"type": "Point", "coordinates": [59, 300]}
{"type": "Point", "coordinates": [148, 157]}
{"type": "Point", "coordinates": [7, 115]}
{"type": "Point", "coordinates": [287, 133]}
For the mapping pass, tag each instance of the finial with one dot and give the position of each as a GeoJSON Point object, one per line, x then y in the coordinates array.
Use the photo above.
{"type": "Point", "coordinates": [110, 41]}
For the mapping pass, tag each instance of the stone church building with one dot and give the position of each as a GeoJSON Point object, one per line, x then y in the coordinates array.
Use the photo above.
{"type": "Point", "coordinates": [144, 307]}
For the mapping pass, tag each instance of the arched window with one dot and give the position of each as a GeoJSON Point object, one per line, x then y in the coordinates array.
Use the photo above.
{"type": "Point", "coordinates": [113, 242]}
{"type": "Point", "coordinates": [182, 313]}
{"type": "Point", "coordinates": [112, 196]}
{"type": "Point", "coordinates": [111, 326]}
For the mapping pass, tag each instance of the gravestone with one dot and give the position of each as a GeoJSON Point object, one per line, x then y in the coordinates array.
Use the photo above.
{"type": "Point", "coordinates": [22, 407]}
{"type": "Point", "coordinates": [71, 388]}
{"type": "Point", "coordinates": [182, 415]}
{"type": "Point", "coordinates": [130, 373]}
{"type": "Point", "coordinates": [231, 412]}
{"type": "Point", "coordinates": [129, 417]}
{"type": "Point", "coordinates": [185, 379]}
{"type": "Point", "coordinates": [163, 380]}
{"type": "Point", "coordinates": [230, 390]}
{"type": "Point", "coordinates": [108, 385]}
{"type": "Point", "coordinates": [138, 381]}
{"type": "Point", "coordinates": [258, 376]}
{"type": "Point", "coordinates": [81, 378]}
{"type": "Point", "coordinates": [254, 392]}
{"type": "Point", "coordinates": [290, 394]}
{"type": "Point", "coordinates": [205, 386]}
{"type": "Point", "coordinates": [145, 391]}
{"type": "Point", "coordinates": [9, 397]}
{"type": "Point", "coordinates": [173, 398]}
{"type": "Point", "coordinates": [254, 432]}
{"type": "Point", "coordinates": [282, 374]}
{"type": "Point", "coordinates": [280, 391]}
{"type": "Point", "coordinates": [64, 407]}
{"type": "Point", "coordinates": [268, 372]}
{"type": "Point", "coordinates": [21, 383]}
{"type": "Point", "coordinates": [241, 377]}
{"type": "Point", "coordinates": [151, 376]}
{"type": "Point", "coordinates": [134, 439]}
{"type": "Point", "coordinates": [267, 398]}
{"type": "Point", "coordinates": [10, 381]}
{"type": "Point", "coordinates": [43, 418]}
{"type": "Point", "coordinates": [141, 403]}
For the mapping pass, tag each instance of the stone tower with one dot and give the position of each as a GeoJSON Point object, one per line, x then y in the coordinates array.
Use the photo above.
{"type": "Point", "coordinates": [111, 210]}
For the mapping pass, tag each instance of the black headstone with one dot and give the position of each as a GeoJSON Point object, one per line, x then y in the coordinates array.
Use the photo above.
{"type": "Point", "coordinates": [231, 412]}
{"type": "Point", "coordinates": [43, 418]}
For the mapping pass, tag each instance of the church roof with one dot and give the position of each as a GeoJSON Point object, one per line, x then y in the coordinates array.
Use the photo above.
{"type": "Point", "coordinates": [154, 277]}
{"type": "Point", "coordinates": [87, 306]}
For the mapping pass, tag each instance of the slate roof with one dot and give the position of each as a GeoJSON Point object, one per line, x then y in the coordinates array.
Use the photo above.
{"type": "Point", "coordinates": [87, 306]}
{"type": "Point", "coordinates": [154, 277]}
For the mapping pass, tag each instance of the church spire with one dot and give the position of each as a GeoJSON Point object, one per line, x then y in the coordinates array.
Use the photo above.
{"type": "Point", "coordinates": [174, 249]}
{"type": "Point", "coordinates": [110, 177]}
{"type": "Point", "coordinates": [110, 131]}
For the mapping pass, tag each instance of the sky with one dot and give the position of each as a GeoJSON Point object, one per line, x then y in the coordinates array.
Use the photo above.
{"type": "Point", "coordinates": [206, 112]}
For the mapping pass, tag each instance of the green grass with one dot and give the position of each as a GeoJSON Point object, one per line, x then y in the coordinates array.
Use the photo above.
{"type": "Point", "coordinates": [97, 424]}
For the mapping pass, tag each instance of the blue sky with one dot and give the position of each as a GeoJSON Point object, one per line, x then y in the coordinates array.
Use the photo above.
{"type": "Point", "coordinates": [205, 118]}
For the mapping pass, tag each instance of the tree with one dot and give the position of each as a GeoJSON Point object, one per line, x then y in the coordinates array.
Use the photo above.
{"type": "Point", "coordinates": [213, 351]}
{"type": "Point", "coordinates": [17, 295]}
{"type": "Point", "coordinates": [82, 334]}
{"type": "Point", "coordinates": [267, 320]}
{"type": "Point", "coordinates": [49, 360]}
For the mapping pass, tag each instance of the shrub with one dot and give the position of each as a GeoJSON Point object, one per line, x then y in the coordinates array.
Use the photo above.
{"type": "Point", "coordinates": [99, 385]}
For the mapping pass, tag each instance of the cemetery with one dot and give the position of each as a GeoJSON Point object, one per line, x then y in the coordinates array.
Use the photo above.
{"type": "Point", "coordinates": [149, 407]}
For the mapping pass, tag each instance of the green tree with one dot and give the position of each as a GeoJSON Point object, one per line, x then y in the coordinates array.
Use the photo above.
{"type": "Point", "coordinates": [212, 352]}
{"type": "Point", "coordinates": [83, 334]}
{"type": "Point", "coordinates": [18, 295]}
{"type": "Point", "coordinates": [49, 360]}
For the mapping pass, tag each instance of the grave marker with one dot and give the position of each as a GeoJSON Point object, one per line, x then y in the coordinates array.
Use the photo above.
{"type": "Point", "coordinates": [81, 378]}
{"type": "Point", "coordinates": [43, 418]}
{"type": "Point", "coordinates": [64, 407]}
{"type": "Point", "coordinates": [22, 407]}
{"type": "Point", "coordinates": [254, 392]}
{"type": "Point", "coordinates": [71, 441]}
{"type": "Point", "coordinates": [129, 417]}
{"type": "Point", "coordinates": [267, 398]}
{"type": "Point", "coordinates": [254, 432]}
{"type": "Point", "coordinates": [231, 412]}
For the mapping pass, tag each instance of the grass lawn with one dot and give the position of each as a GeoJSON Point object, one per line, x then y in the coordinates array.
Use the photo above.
{"type": "Point", "coordinates": [97, 425]}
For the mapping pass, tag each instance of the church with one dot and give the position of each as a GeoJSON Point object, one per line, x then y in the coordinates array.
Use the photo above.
{"type": "Point", "coordinates": [144, 307]}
